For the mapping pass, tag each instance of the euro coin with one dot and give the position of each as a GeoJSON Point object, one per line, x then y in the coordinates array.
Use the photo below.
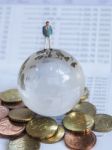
{"type": "Point", "coordinates": [3, 112]}
{"type": "Point", "coordinates": [80, 141]}
{"type": "Point", "coordinates": [10, 96]}
{"type": "Point", "coordinates": [85, 95]}
{"type": "Point", "coordinates": [21, 115]}
{"type": "Point", "coordinates": [7, 128]}
{"type": "Point", "coordinates": [78, 122]}
{"type": "Point", "coordinates": [14, 105]}
{"type": "Point", "coordinates": [43, 127]}
{"type": "Point", "coordinates": [103, 123]}
{"type": "Point", "coordinates": [57, 137]}
{"type": "Point", "coordinates": [85, 107]}
{"type": "Point", "coordinates": [24, 143]}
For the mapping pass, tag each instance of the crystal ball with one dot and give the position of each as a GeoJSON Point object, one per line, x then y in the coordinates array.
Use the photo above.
{"type": "Point", "coordinates": [51, 82]}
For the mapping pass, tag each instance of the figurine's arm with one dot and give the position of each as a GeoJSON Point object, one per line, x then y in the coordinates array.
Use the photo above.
{"type": "Point", "coordinates": [51, 30]}
{"type": "Point", "coordinates": [43, 31]}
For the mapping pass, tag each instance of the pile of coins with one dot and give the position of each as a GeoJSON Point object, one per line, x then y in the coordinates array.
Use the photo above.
{"type": "Point", "coordinates": [26, 130]}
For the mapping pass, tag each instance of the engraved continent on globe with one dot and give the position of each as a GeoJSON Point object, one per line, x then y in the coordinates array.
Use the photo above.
{"type": "Point", "coordinates": [51, 83]}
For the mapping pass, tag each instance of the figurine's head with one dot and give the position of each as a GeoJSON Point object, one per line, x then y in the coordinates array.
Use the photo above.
{"type": "Point", "coordinates": [47, 23]}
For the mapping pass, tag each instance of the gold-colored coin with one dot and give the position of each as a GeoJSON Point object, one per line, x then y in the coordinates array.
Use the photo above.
{"type": "Point", "coordinates": [57, 137]}
{"type": "Point", "coordinates": [103, 123]}
{"type": "Point", "coordinates": [43, 127]}
{"type": "Point", "coordinates": [85, 95]}
{"type": "Point", "coordinates": [78, 122]}
{"type": "Point", "coordinates": [14, 105]}
{"type": "Point", "coordinates": [24, 143]}
{"type": "Point", "coordinates": [85, 107]}
{"type": "Point", "coordinates": [21, 115]}
{"type": "Point", "coordinates": [10, 96]}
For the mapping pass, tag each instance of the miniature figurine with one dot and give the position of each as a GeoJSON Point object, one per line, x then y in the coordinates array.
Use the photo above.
{"type": "Point", "coordinates": [47, 32]}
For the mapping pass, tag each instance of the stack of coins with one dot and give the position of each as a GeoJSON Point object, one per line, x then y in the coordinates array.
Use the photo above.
{"type": "Point", "coordinates": [79, 124]}
{"type": "Point", "coordinates": [26, 130]}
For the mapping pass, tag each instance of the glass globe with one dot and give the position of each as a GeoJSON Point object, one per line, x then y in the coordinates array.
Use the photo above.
{"type": "Point", "coordinates": [51, 82]}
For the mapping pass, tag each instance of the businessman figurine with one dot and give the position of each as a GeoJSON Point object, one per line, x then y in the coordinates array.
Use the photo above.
{"type": "Point", "coordinates": [47, 32]}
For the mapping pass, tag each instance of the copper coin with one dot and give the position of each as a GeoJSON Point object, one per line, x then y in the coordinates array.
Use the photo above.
{"type": "Point", "coordinates": [7, 128]}
{"type": "Point", "coordinates": [14, 106]}
{"type": "Point", "coordinates": [3, 112]}
{"type": "Point", "coordinates": [78, 141]}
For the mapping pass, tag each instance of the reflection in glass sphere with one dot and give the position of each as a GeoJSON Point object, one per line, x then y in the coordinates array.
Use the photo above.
{"type": "Point", "coordinates": [51, 83]}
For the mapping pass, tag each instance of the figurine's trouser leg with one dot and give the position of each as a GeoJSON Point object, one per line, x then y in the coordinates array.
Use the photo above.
{"type": "Point", "coordinates": [47, 43]}
{"type": "Point", "coordinates": [49, 40]}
